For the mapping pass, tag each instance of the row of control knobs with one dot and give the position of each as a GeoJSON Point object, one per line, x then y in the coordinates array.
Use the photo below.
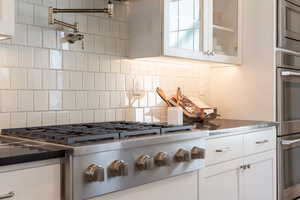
{"type": "Point", "coordinates": [95, 173]}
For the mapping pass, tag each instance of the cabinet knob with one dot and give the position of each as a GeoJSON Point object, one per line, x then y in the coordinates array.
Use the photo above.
{"type": "Point", "coordinates": [94, 173]}
{"type": "Point", "coordinates": [182, 155]}
{"type": "Point", "coordinates": [197, 153]}
{"type": "Point", "coordinates": [161, 159]}
{"type": "Point", "coordinates": [118, 168]}
{"type": "Point", "coordinates": [144, 162]}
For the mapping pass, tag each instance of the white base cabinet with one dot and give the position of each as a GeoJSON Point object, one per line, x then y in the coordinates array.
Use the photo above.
{"type": "Point", "coordinates": [39, 183]}
{"type": "Point", "coordinates": [259, 182]}
{"type": "Point", "coordinates": [175, 188]}
{"type": "Point", "coordinates": [229, 181]}
{"type": "Point", "coordinates": [240, 167]}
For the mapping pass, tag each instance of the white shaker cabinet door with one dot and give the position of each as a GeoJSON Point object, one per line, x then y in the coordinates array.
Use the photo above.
{"type": "Point", "coordinates": [41, 183]}
{"type": "Point", "coordinates": [259, 181]}
{"type": "Point", "coordinates": [221, 182]}
{"type": "Point", "coordinates": [183, 187]}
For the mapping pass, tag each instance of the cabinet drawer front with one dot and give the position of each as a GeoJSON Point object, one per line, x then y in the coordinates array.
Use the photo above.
{"type": "Point", "coordinates": [223, 149]}
{"type": "Point", "coordinates": [41, 183]}
{"type": "Point", "coordinates": [260, 141]}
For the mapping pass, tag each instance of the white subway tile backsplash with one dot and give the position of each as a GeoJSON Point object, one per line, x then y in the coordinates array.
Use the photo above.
{"type": "Point", "coordinates": [75, 4]}
{"type": "Point", "coordinates": [11, 56]}
{"type": "Point", "coordinates": [4, 78]}
{"type": "Point", "coordinates": [49, 79]}
{"type": "Point", "coordinates": [69, 60]}
{"type": "Point", "coordinates": [35, 36]}
{"type": "Point", "coordinates": [93, 62]}
{"type": "Point", "coordinates": [41, 100]}
{"type": "Point", "coordinates": [99, 115]}
{"type": "Point", "coordinates": [51, 3]}
{"type": "Point", "coordinates": [9, 100]}
{"type": "Point", "coordinates": [115, 64]}
{"type": "Point", "coordinates": [49, 38]}
{"type": "Point", "coordinates": [88, 81]}
{"type": "Point", "coordinates": [18, 78]}
{"type": "Point", "coordinates": [110, 81]}
{"type": "Point", "coordinates": [82, 22]}
{"type": "Point", "coordinates": [25, 100]}
{"type": "Point", "coordinates": [20, 36]}
{"type": "Point", "coordinates": [93, 24]}
{"type": "Point", "coordinates": [87, 116]}
{"type": "Point", "coordinates": [41, 15]}
{"type": "Point", "coordinates": [81, 61]}
{"type": "Point", "coordinates": [120, 82]}
{"type": "Point", "coordinates": [34, 79]}
{"type": "Point", "coordinates": [55, 59]}
{"type": "Point", "coordinates": [69, 100]}
{"type": "Point", "coordinates": [62, 117]}
{"type": "Point", "coordinates": [75, 117]}
{"type": "Point", "coordinates": [81, 100]}
{"type": "Point", "coordinates": [100, 44]}
{"type": "Point", "coordinates": [105, 63]}
{"type": "Point", "coordinates": [26, 55]}
{"type": "Point", "coordinates": [41, 58]}
{"type": "Point", "coordinates": [25, 12]}
{"type": "Point", "coordinates": [63, 80]}
{"type": "Point", "coordinates": [115, 99]}
{"type": "Point", "coordinates": [93, 100]}
{"type": "Point", "coordinates": [18, 120]}
{"type": "Point", "coordinates": [4, 120]}
{"type": "Point", "coordinates": [100, 81]}
{"type": "Point", "coordinates": [48, 118]}
{"type": "Point", "coordinates": [76, 80]}
{"type": "Point", "coordinates": [104, 99]}
{"type": "Point", "coordinates": [120, 115]}
{"type": "Point", "coordinates": [55, 100]}
{"type": "Point", "coordinates": [34, 119]}
{"type": "Point", "coordinates": [110, 115]}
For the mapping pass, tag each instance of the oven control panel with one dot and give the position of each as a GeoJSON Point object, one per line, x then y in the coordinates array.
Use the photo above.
{"type": "Point", "coordinates": [104, 172]}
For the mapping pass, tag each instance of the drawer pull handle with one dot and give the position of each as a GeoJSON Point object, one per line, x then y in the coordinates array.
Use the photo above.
{"type": "Point", "coordinates": [6, 196]}
{"type": "Point", "coordinates": [226, 149]}
{"type": "Point", "coordinates": [262, 142]}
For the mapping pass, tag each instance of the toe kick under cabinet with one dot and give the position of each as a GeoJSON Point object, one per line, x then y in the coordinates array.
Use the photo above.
{"type": "Point", "coordinates": [240, 167]}
{"type": "Point", "coordinates": [35, 181]}
{"type": "Point", "coordinates": [203, 30]}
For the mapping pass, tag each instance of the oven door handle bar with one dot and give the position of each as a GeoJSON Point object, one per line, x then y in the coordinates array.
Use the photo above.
{"type": "Point", "coordinates": [290, 142]}
{"type": "Point", "coordinates": [288, 73]}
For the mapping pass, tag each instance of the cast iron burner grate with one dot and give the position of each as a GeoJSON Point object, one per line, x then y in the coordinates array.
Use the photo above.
{"type": "Point", "coordinates": [84, 133]}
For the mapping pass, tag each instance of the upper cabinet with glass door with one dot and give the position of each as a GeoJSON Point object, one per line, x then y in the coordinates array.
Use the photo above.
{"type": "Point", "coordinates": [205, 30]}
{"type": "Point", "coordinates": [225, 42]}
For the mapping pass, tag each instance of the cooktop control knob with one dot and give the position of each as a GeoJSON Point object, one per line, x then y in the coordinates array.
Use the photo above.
{"type": "Point", "coordinates": [182, 155]}
{"type": "Point", "coordinates": [144, 162]}
{"type": "Point", "coordinates": [118, 168]}
{"type": "Point", "coordinates": [94, 173]}
{"type": "Point", "coordinates": [161, 159]}
{"type": "Point", "coordinates": [197, 153]}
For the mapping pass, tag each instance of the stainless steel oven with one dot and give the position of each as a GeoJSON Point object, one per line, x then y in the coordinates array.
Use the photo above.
{"type": "Point", "coordinates": [288, 28]}
{"type": "Point", "coordinates": [289, 167]}
{"type": "Point", "coordinates": [288, 93]}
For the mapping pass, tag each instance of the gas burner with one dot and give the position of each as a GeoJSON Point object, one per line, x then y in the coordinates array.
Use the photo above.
{"type": "Point", "coordinates": [80, 134]}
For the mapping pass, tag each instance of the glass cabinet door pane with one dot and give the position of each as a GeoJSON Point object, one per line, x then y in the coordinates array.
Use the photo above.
{"type": "Point", "coordinates": [225, 27]}
{"type": "Point", "coordinates": [184, 24]}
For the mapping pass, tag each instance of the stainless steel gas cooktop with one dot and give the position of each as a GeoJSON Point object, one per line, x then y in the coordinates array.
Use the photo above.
{"type": "Point", "coordinates": [111, 156]}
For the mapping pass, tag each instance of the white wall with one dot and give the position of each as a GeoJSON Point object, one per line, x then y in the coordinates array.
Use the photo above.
{"type": "Point", "coordinates": [43, 82]}
{"type": "Point", "coordinates": [247, 92]}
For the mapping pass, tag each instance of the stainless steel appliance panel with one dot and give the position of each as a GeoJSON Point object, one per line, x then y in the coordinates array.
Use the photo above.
{"type": "Point", "coordinates": [288, 93]}
{"type": "Point", "coordinates": [85, 190]}
{"type": "Point", "coordinates": [288, 166]}
{"type": "Point", "coordinates": [289, 24]}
